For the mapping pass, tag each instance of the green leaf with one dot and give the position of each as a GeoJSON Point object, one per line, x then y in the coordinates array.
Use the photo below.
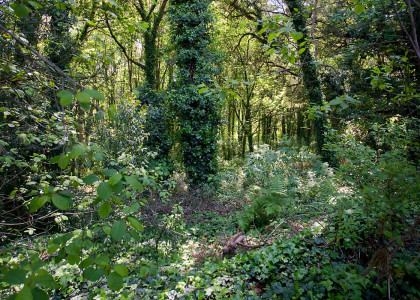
{"type": "Point", "coordinates": [121, 270]}
{"type": "Point", "coordinates": [45, 279]}
{"type": "Point", "coordinates": [90, 179]}
{"type": "Point", "coordinates": [78, 149]}
{"type": "Point", "coordinates": [301, 50]}
{"type": "Point", "coordinates": [118, 230]}
{"type": "Point", "coordinates": [135, 223]}
{"type": "Point", "coordinates": [359, 8]}
{"type": "Point", "coordinates": [24, 294]}
{"type": "Point", "coordinates": [134, 183]}
{"type": "Point", "coordinates": [52, 249]}
{"type": "Point", "coordinates": [35, 4]}
{"type": "Point", "coordinates": [61, 202]}
{"type": "Point", "coordinates": [37, 203]}
{"type": "Point", "coordinates": [66, 97]}
{"type": "Point", "coordinates": [115, 281]}
{"type": "Point", "coordinates": [15, 276]}
{"type": "Point", "coordinates": [296, 35]}
{"type": "Point", "coordinates": [202, 90]}
{"type": "Point", "coordinates": [82, 97]}
{"type": "Point", "coordinates": [115, 179]}
{"type": "Point", "coordinates": [104, 209]}
{"type": "Point", "coordinates": [93, 274]}
{"type": "Point", "coordinates": [39, 294]}
{"type": "Point", "coordinates": [99, 115]}
{"type": "Point", "coordinates": [131, 28]}
{"type": "Point", "coordinates": [104, 190]}
{"type": "Point", "coordinates": [20, 10]}
{"type": "Point", "coordinates": [94, 94]}
{"type": "Point", "coordinates": [144, 271]}
{"type": "Point", "coordinates": [271, 36]}
{"type": "Point", "coordinates": [63, 161]}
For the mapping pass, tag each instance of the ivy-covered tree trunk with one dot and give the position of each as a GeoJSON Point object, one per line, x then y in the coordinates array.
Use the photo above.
{"type": "Point", "coordinates": [198, 114]}
{"type": "Point", "coordinates": [310, 78]}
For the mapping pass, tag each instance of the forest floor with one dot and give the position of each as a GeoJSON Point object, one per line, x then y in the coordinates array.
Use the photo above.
{"type": "Point", "coordinates": [289, 232]}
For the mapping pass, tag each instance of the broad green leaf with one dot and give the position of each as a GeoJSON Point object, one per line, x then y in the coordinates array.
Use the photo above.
{"type": "Point", "coordinates": [45, 279]}
{"type": "Point", "coordinates": [301, 50]}
{"type": "Point", "coordinates": [94, 94]}
{"type": "Point", "coordinates": [134, 183]}
{"type": "Point", "coordinates": [83, 97]}
{"type": "Point", "coordinates": [121, 270]}
{"type": "Point", "coordinates": [104, 190]}
{"type": "Point", "coordinates": [144, 271]}
{"type": "Point", "coordinates": [114, 281]}
{"type": "Point", "coordinates": [37, 203]}
{"type": "Point", "coordinates": [52, 249]}
{"type": "Point", "coordinates": [135, 223]}
{"type": "Point", "coordinates": [271, 36]}
{"type": "Point", "coordinates": [61, 202]}
{"type": "Point", "coordinates": [336, 101]}
{"type": "Point", "coordinates": [78, 149]}
{"type": "Point", "coordinates": [63, 161]}
{"type": "Point", "coordinates": [35, 4]}
{"type": "Point", "coordinates": [104, 210]}
{"type": "Point", "coordinates": [39, 294]}
{"type": "Point", "coordinates": [24, 294]}
{"type": "Point", "coordinates": [93, 274]}
{"type": "Point", "coordinates": [90, 179]}
{"type": "Point", "coordinates": [359, 8]}
{"type": "Point", "coordinates": [118, 230]}
{"type": "Point", "coordinates": [296, 35]}
{"type": "Point", "coordinates": [131, 28]}
{"type": "Point", "coordinates": [87, 262]}
{"type": "Point", "coordinates": [115, 179]}
{"type": "Point", "coordinates": [20, 10]}
{"type": "Point", "coordinates": [66, 97]}
{"type": "Point", "coordinates": [15, 276]}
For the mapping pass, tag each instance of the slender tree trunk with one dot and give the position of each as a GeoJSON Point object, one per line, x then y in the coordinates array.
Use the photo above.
{"type": "Point", "coordinates": [310, 78]}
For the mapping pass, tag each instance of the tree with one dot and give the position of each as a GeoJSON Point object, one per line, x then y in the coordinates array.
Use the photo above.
{"type": "Point", "coordinates": [198, 114]}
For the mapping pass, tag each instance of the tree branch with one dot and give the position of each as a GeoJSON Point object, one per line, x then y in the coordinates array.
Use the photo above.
{"type": "Point", "coordinates": [41, 57]}
{"type": "Point", "coordinates": [124, 50]}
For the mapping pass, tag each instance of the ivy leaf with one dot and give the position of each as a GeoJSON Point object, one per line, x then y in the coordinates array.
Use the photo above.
{"type": "Point", "coordinates": [104, 190]}
{"type": "Point", "coordinates": [144, 271]}
{"type": "Point", "coordinates": [94, 94]}
{"type": "Point", "coordinates": [37, 203]}
{"type": "Point", "coordinates": [66, 97]}
{"type": "Point", "coordinates": [118, 230]}
{"type": "Point", "coordinates": [61, 202]}
{"type": "Point", "coordinates": [15, 276]}
{"type": "Point", "coordinates": [114, 281]}
{"type": "Point", "coordinates": [121, 270]}
{"type": "Point", "coordinates": [135, 223]}
{"type": "Point", "coordinates": [104, 210]}
{"type": "Point", "coordinates": [115, 179]}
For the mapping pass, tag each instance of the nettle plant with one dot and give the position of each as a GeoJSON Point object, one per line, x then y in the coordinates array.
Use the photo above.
{"type": "Point", "coordinates": [115, 195]}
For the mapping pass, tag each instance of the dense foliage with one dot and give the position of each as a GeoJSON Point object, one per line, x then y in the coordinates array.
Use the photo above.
{"type": "Point", "coordinates": [203, 149]}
